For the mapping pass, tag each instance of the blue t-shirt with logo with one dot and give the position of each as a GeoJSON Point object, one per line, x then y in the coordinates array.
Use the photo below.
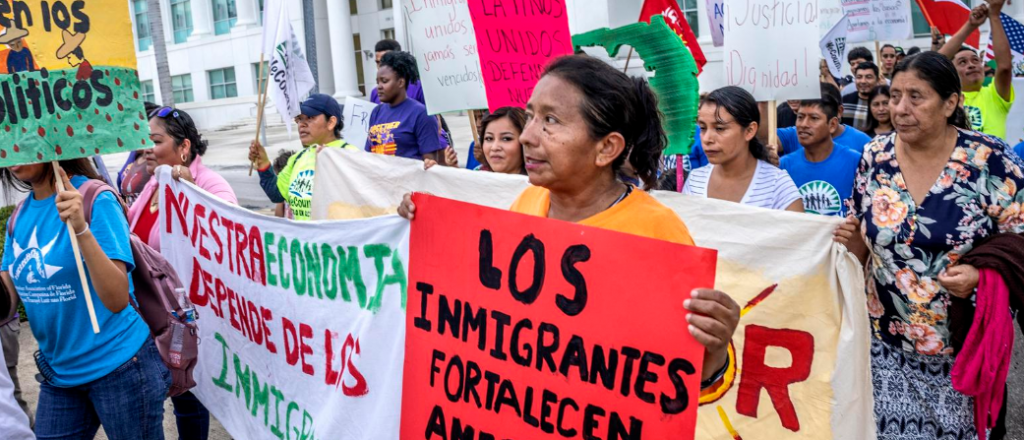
{"type": "Point", "coordinates": [41, 263]}
{"type": "Point", "coordinates": [404, 130]}
{"type": "Point", "coordinates": [823, 185]}
{"type": "Point", "coordinates": [851, 138]}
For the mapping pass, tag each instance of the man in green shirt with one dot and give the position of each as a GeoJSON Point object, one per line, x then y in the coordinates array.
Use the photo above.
{"type": "Point", "coordinates": [320, 125]}
{"type": "Point", "coordinates": [987, 106]}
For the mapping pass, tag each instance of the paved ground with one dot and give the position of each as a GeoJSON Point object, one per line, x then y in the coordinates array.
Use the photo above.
{"type": "Point", "coordinates": [228, 155]}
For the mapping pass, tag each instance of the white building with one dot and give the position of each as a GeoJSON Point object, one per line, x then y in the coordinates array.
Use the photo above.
{"type": "Point", "coordinates": [213, 46]}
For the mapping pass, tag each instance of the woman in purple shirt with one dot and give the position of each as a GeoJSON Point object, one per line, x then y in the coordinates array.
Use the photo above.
{"type": "Point", "coordinates": [401, 126]}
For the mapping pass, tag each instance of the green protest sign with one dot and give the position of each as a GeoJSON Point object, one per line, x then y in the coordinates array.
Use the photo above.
{"type": "Point", "coordinates": [68, 81]}
{"type": "Point", "coordinates": [675, 80]}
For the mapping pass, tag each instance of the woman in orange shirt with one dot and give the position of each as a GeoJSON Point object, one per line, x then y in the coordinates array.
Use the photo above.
{"type": "Point", "coordinates": [585, 120]}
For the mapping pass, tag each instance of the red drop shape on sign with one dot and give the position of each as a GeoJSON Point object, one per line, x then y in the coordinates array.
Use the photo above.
{"type": "Point", "coordinates": [7, 128]}
{"type": "Point", "coordinates": [120, 107]}
{"type": "Point", "coordinates": [135, 95]}
{"type": "Point", "coordinates": [109, 119]}
{"type": "Point", "coordinates": [117, 81]}
{"type": "Point", "coordinates": [120, 143]}
{"type": "Point", "coordinates": [59, 150]}
{"type": "Point", "coordinates": [42, 131]}
{"type": "Point", "coordinates": [3, 154]}
{"type": "Point", "coordinates": [16, 148]}
{"type": "Point", "coordinates": [71, 131]}
{"type": "Point", "coordinates": [88, 128]}
{"type": "Point", "coordinates": [39, 156]}
{"type": "Point", "coordinates": [97, 151]}
{"type": "Point", "coordinates": [97, 111]}
{"type": "Point", "coordinates": [136, 126]}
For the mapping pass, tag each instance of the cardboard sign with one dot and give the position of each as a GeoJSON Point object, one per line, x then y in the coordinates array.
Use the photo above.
{"type": "Point", "coordinates": [515, 42]}
{"type": "Point", "coordinates": [772, 48]}
{"type": "Point", "coordinates": [444, 44]}
{"type": "Point", "coordinates": [873, 20]}
{"type": "Point", "coordinates": [533, 328]}
{"type": "Point", "coordinates": [356, 116]}
{"type": "Point", "coordinates": [68, 86]}
{"type": "Point", "coordinates": [301, 323]}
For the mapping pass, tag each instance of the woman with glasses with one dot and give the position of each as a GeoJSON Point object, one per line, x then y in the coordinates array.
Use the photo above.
{"type": "Point", "coordinates": [177, 144]}
{"type": "Point", "coordinates": [320, 125]}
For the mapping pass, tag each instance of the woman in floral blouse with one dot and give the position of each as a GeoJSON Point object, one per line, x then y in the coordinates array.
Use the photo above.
{"type": "Point", "coordinates": [923, 197]}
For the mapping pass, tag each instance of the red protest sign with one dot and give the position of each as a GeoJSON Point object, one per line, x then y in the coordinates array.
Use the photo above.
{"type": "Point", "coordinates": [519, 327]}
{"type": "Point", "coordinates": [515, 40]}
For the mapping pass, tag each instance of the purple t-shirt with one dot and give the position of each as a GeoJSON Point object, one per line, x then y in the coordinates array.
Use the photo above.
{"type": "Point", "coordinates": [404, 130]}
{"type": "Point", "coordinates": [415, 91]}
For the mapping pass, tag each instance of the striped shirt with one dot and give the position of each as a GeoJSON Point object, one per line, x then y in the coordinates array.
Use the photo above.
{"type": "Point", "coordinates": [770, 188]}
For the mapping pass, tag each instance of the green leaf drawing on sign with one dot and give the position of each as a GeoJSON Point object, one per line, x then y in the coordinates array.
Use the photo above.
{"type": "Point", "coordinates": [51, 115]}
{"type": "Point", "coordinates": [675, 73]}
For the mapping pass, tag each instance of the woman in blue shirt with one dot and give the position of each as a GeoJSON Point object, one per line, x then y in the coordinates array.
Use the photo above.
{"type": "Point", "coordinates": [401, 126]}
{"type": "Point", "coordinates": [114, 378]}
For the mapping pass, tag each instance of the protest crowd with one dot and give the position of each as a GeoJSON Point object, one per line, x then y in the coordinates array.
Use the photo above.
{"type": "Point", "coordinates": [903, 157]}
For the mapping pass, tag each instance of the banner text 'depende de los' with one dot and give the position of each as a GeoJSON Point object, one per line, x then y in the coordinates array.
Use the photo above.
{"type": "Point", "coordinates": [300, 323]}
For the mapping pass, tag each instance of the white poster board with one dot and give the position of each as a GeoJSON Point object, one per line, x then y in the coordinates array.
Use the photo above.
{"type": "Point", "coordinates": [443, 41]}
{"type": "Point", "coordinates": [874, 20]}
{"type": "Point", "coordinates": [785, 68]}
{"type": "Point", "coordinates": [1015, 119]}
{"type": "Point", "coordinates": [356, 116]}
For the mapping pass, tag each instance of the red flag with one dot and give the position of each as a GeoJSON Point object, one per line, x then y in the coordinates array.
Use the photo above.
{"type": "Point", "coordinates": [677, 21]}
{"type": "Point", "coordinates": [949, 16]}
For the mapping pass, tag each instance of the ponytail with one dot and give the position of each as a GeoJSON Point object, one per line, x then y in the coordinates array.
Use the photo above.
{"type": "Point", "coordinates": [959, 118]}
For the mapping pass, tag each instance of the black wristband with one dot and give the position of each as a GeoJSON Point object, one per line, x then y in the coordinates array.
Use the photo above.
{"type": "Point", "coordinates": [705, 384]}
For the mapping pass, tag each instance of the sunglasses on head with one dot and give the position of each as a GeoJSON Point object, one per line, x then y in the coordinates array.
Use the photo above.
{"type": "Point", "coordinates": [163, 112]}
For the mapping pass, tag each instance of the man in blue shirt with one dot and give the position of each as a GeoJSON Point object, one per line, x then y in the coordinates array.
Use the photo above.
{"type": "Point", "coordinates": [19, 58]}
{"type": "Point", "coordinates": [844, 135]}
{"type": "Point", "coordinates": [823, 170]}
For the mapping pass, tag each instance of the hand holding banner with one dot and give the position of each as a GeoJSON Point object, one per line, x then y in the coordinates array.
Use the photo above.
{"type": "Point", "coordinates": [504, 338]}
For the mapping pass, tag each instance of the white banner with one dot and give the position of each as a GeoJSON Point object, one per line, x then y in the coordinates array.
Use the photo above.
{"type": "Point", "coordinates": [1015, 119]}
{"type": "Point", "coordinates": [302, 323]}
{"type": "Point", "coordinates": [444, 44]}
{"type": "Point", "coordinates": [812, 290]}
{"type": "Point", "coordinates": [356, 116]}
{"type": "Point", "coordinates": [834, 48]}
{"type": "Point", "coordinates": [773, 71]}
{"type": "Point", "coordinates": [289, 74]}
{"type": "Point", "coordinates": [874, 20]}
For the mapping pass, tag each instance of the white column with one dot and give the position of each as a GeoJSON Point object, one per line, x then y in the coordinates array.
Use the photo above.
{"type": "Point", "coordinates": [202, 19]}
{"type": "Point", "coordinates": [339, 14]}
{"type": "Point", "coordinates": [399, 20]}
{"type": "Point", "coordinates": [247, 10]}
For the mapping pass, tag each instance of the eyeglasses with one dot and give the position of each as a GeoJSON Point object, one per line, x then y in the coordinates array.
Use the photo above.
{"type": "Point", "coordinates": [163, 112]}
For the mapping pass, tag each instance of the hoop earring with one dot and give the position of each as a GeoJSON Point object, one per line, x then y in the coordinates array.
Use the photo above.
{"type": "Point", "coordinates": [183, 158]}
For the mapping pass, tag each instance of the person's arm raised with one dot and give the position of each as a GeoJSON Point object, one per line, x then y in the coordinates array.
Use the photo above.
{"type": "Point", "coordinates": [1001, 48]}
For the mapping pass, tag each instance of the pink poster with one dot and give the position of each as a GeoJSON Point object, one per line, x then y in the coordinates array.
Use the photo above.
{"type": "Point", "coordinates": [515, 40]}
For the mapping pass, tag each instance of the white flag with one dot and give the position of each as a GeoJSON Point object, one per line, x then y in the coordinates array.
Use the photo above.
{"type": "Point", "coordinates": [833, 46]}
{"type": "Point", "coordinates": [289, 74]}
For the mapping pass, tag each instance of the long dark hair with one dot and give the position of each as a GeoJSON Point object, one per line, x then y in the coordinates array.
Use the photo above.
{"type": "Point", "coordinates": [941, 75]}
{"type": "Point", "coordinates": [180, 126]}
{"type": "Point", "coordinates": [516, 116]}
{"type": "Point", "coordinates": [872, 122]}
{"type": "Point", "coordinates": [615, 103]}
{"type": "Point", "coordinates": [73, 167]}
{"type": "Point", "coordinates": [743, 108]}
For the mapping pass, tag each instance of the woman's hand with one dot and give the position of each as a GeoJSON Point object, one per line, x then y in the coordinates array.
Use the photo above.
{"type": "Point", "coordinates": [848, 234]}
{"type": "Point", "coordinates": [713, 320]}
{"type": "Point", "coordinates": [182, 173]}
{"type": "Point", "coordinates": [69, 205]}
{"type": "Point", "coordinates": [960, 280]}
{"type": "Point", "coordinates": [407, 209]}
{"type": "Point", "coordinates": [450, 158]}
{"type": "Point", "coordinates": [428, 163]}
{"type": "Point", "coordinates": [258, 155]}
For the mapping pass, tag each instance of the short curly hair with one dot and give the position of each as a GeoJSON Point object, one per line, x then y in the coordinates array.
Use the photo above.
{"type": "Point", "coordinates": [404, 65]}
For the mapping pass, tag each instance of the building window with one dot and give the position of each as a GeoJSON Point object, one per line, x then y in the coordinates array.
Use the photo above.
{"type": "Point", "coordinates": [360, 77]}
{"type": "Point", "coordinates": [387, 34]}
{"type": "Point", "coordinates": [256, 74]}
{"type": "Point", "coordinates": [142, 25]}
{"type": "Point", "coordinates": [222, 83]}
{"type": "Point", "coordinates": [385, 4]}
{"type": "Point", "coordinates": [689, 8]}
{"type": "Point", "coordinates": [181, 19]}
{"type": "Point", "coordinates": [181, 86]}
{"type": "Point", "coordinates": [224, 16]}
{"type": "Point", "coordinates": [921, 26]}
{"type": "Point", "coordinates": [353, 6]}
{"type": "Point", "coordinates": [148, 94]}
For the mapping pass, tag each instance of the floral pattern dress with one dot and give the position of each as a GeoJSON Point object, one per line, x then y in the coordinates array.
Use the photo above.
{"type": "Point", "coordinates": [980, 193]}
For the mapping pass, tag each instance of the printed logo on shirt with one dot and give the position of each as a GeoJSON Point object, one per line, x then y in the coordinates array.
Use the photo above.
{"type": "Point", "coordinates": [382, 138]}
{"type": "Point", "coordinates": [30, 261]}
{"type": "Point", "coordinates": [300, 194]}
{"type": "Point", "coordinates": [974, 117]}
{"type": "Point", "coordinates": [821, 198]}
